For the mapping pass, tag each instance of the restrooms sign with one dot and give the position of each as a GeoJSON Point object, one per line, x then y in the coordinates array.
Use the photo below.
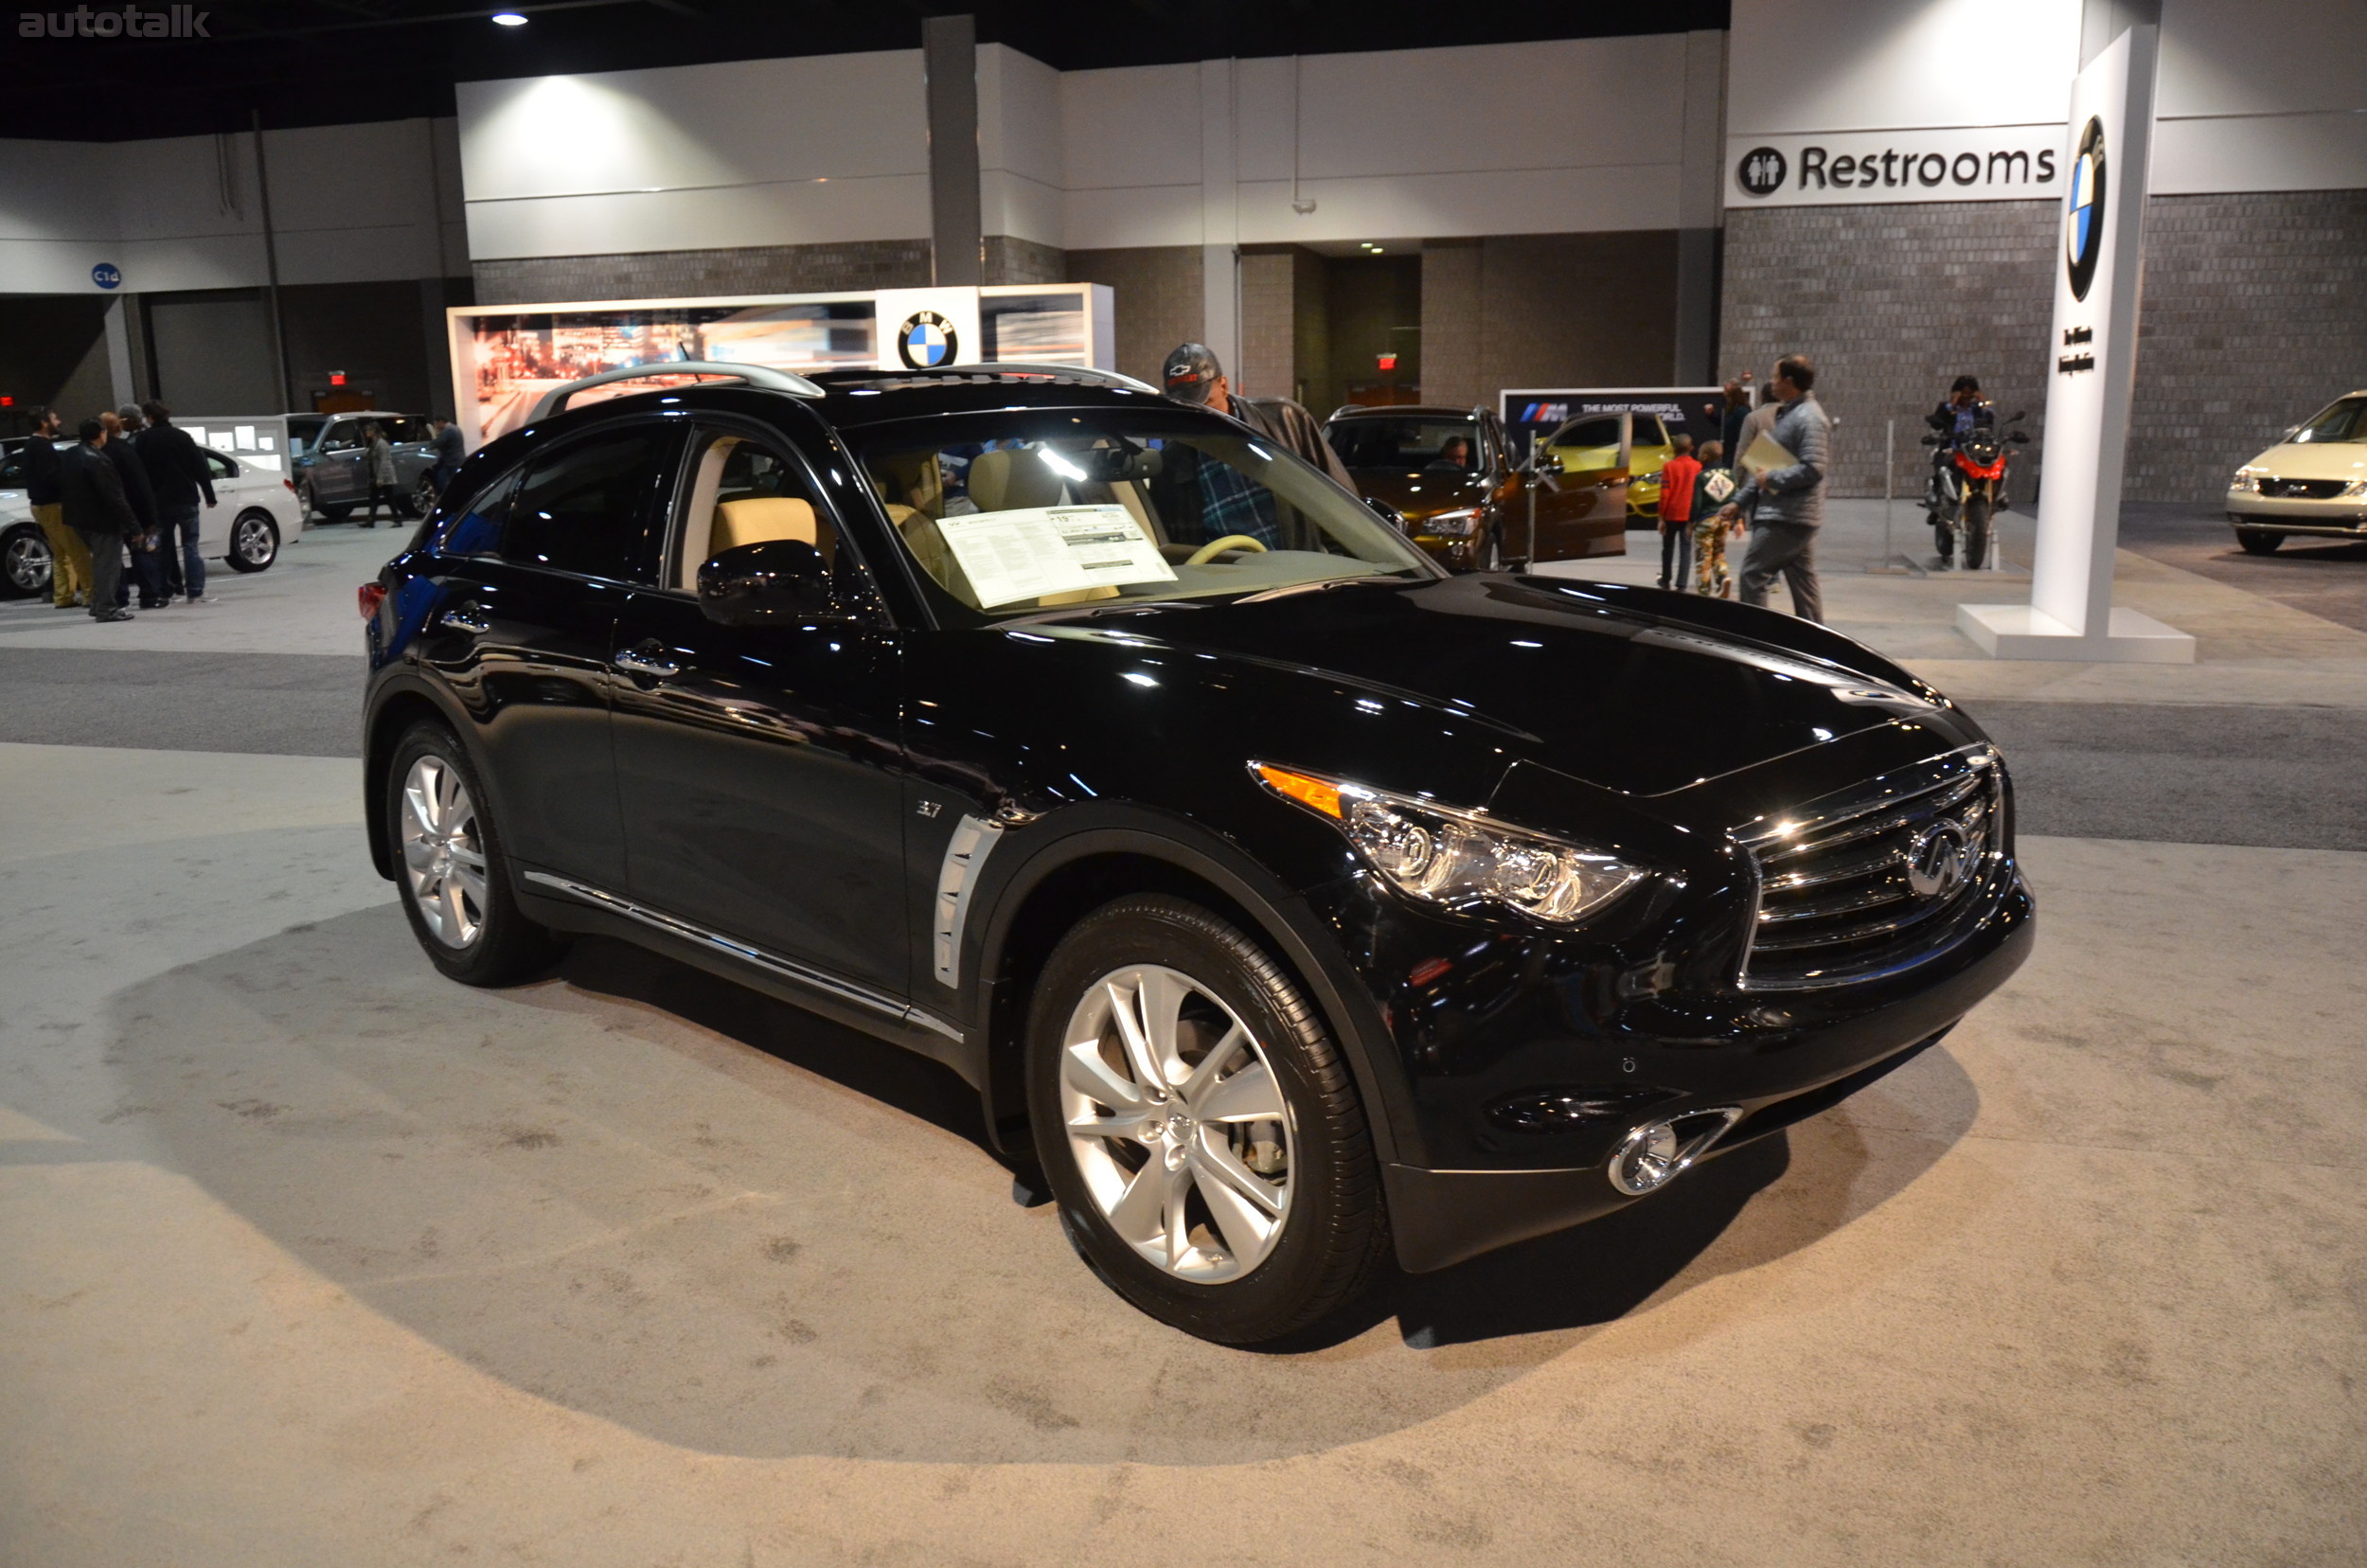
{"type": "Point", "coordinates": [1860, 167]}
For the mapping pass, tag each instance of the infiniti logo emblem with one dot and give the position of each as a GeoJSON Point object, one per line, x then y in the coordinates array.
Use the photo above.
{"type": "Point", "coordinates": [1938, 861]}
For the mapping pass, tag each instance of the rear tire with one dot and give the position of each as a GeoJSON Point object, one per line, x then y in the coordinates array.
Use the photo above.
{"type": "Point", "coordinates": [253, 543]}
{"type": "Point", "coordinates": [423, 497]}
{"type": "Point", "coordinates": [449, 864]}
{"type": "Point", "coordinates": [2258, 540]}
{"type": "Point", "coordinates": [1263, 1214]}
{"type": "Point", "coordinates": [1976, 533]}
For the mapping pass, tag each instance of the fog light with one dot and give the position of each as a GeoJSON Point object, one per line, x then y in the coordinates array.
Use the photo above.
{"type": "Point", "coordinates": [1656, 1154]}
{"type": "Point", "coordinates": [1647, 1159]}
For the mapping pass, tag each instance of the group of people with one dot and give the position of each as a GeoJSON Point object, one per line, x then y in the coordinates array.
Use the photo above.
{"type": "Point", "coordinates": [132, 486]}
{"type": "Point", "coordinates": [1727, 492]}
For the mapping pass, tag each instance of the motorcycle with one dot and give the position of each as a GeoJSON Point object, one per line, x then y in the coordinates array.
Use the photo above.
{"type": "Point", "coordinates": [1968, 489]}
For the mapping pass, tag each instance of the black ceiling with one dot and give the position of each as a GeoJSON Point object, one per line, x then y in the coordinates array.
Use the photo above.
{"type": "Point", "coordinates": [337, 61]}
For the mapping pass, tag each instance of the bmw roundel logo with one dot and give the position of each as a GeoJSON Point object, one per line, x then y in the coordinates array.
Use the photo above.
{"type": "Point", "coordinates": [926, 341]}
{"type": "Point", "coordinates": [1761, 171]}
{"type": "Point", "coordinates": [2083, 224]}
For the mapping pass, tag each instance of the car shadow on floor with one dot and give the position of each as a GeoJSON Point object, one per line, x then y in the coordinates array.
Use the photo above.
{"type": "Point", "coordinates": [637, 1191]}
{"type": "Point", "coordinates": [1578, 1278]}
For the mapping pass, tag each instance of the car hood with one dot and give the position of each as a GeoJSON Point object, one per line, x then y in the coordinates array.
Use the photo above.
{"type": "Point", "coordinates": [1614, 686]}
{"type": "Point", "coordinates": [1420, 495]}
{"type": "Point", "coordinates": [2314, 460]}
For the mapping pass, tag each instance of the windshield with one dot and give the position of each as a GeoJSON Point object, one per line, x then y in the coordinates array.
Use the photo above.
{"type": "Point", "coordinates": [1025, 509]}
{"type": "Point", "coordinates": [1412, 444]}
{"type": "Point", "coordinates": [2345, 421]}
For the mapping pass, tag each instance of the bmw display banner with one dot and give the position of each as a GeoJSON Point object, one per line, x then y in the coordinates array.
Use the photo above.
{"type": "Point", "coordinates": [923, 329]}
{"type": "Point", "coordinates": [2091, 354]}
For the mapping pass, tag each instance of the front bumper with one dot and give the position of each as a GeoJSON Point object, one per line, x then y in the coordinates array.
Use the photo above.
{"type": "Point", "coordinates": [2337, 518]}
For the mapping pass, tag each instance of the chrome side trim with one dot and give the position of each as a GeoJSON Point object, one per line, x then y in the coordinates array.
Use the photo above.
{"type": "Point", "coordinates": [966, 853]}
{"type": "Point", "coordinates": [755, 957]}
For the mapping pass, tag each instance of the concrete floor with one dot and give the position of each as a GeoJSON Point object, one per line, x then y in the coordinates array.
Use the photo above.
{"type": "Point", "coordinates": [312, 1257]}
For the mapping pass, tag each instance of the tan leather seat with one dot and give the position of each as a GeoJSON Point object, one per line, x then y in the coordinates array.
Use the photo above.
{"type": "Point", "coordinates": [759, 518]}
{"type": "Point", "coordinates": [1006, 481]}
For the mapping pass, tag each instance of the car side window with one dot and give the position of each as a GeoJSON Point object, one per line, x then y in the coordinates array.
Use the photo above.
{"type": "Point", "coordinates": [585, 507]}
{"type": "Point", "coordinates": [742, 491]}
{"type": "Point", "coordinates": [220, 466]}
{"type": "Point", "coordinates": [343, 437]}
{"type": "Point", "coordinates": [12, 473]}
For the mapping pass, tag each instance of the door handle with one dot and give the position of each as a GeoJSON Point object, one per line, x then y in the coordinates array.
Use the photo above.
{"type": "Point", "coordinates": [464, 617]}
{"type": "Point", "coordinates": [649, 660]}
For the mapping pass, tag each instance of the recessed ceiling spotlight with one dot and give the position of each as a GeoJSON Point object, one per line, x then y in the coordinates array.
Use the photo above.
{"type": "Point", "coordinates": [509, 19]}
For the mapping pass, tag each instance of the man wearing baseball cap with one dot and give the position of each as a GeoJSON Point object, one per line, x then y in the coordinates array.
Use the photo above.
{"type": "Point", "coordinates": [1193, 375]}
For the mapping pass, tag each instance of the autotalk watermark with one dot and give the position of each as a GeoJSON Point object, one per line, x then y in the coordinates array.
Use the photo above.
{"type": "Point", "coordinates": [128, 21]}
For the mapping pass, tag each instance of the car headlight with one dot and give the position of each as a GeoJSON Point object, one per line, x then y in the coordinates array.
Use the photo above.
{"type": "Point", "coordinates": [1449, 525]}
{"type": "Point", "coordinates": [2247, 482]}
{"type": "Point", "coordinates": [2355, 490]}
{"type": "Point", "coordinates": [1455, 858]}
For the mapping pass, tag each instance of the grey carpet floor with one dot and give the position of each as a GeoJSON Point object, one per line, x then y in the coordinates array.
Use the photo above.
{"type": "Point", "coordinates": [290, 705]}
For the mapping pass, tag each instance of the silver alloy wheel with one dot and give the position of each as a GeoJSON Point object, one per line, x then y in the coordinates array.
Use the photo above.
{"type": "Point", "coordinates": [28, 564]}
{"type": "Point", "coordinates": [443, 857]}
{"type": "Point", "coordinates": [1176, 1124]}
{"type": "Point", "coordinates": [423, 495]}
{"type": "Point", "coordinates": [252, 540]}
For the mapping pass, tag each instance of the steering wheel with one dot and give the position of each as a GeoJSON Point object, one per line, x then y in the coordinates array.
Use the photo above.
{"type": "Point", "coordinates": [1215, 547]}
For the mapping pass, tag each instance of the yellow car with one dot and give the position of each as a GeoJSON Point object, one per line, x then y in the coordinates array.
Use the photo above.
{"type": "Point", "coordinates": [2314, 482]}
{"type": "Point", "coordinates": [1593, 442]}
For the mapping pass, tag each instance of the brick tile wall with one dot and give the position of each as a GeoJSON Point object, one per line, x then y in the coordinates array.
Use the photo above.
{"type": "Point", "coordinates": [1893, 303]}
{"type": "Point", "coordinates": [1156, 294]}
{"type": "Point", "coordinates": [2255, 316]}
{"type": "Point", "coordinates": [1011, 260]}
{"type": "Point", "coordinates": [1451, 371]}
{"type": "Point", "coordinates": [669, 274]}
{"type": "Point", "coordinates": [1269, 364]}
{"type": "Point", "coordinates": [2252, 321]}
{"type": "Point", "coordinates": [1547, 310]}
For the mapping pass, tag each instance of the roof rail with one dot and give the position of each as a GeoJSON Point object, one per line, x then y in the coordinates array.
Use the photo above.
{"type": "Point", "coordinates": [1073, 372]}
{"type": "Point", "coordinates": [755, 375]}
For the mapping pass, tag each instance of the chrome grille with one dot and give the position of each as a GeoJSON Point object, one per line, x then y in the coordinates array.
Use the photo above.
{"type": "Point", "coordinates": [1842, 895]}
{"type": "Point", "coordinates": [2301, 489]}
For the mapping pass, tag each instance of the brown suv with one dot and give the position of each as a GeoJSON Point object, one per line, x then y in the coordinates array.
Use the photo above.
{"type": "Point", "coordinates": [1448, 474]}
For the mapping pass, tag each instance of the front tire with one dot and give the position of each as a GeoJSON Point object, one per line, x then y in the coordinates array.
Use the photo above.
{"type": "Point", "coordinates": [1199, 1130]}
{"type": "Point", "coordinates": [1976, 533]}
{"type": "Point", "coordinates": [24, 563]}
{"type": "Point", "coordinates": [1491, 552]}
{"type": "Point", "coordinates": [253, 543]}
{"type": "Point", "coordinates": [455, 880]}
{"type": "Point", "coordinates": [2258, 540]}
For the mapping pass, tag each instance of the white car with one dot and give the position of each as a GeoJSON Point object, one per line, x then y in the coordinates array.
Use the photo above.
{"type": "Point", "coordinates": [2313, 482]}
{"type": "Point", "coordinates": [256, 509]}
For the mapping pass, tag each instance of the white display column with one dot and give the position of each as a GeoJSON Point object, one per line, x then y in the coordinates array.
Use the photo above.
{"type": "Point", "coordinates": [2099, 276]}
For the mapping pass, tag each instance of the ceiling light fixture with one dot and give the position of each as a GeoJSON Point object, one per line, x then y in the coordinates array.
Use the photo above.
{"type": "Point", "coordinates": [509, 19]}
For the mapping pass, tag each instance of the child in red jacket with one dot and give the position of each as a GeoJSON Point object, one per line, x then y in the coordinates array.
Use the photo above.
{"type": "Point", "coordinates": [1676, 514]}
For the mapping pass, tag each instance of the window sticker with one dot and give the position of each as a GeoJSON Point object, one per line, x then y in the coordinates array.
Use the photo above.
{"type": "Point", "coordinates": [1031, 551]}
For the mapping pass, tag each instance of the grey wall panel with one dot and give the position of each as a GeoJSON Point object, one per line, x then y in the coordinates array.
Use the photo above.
{"type": "Point", "coordinates": [213, 352]}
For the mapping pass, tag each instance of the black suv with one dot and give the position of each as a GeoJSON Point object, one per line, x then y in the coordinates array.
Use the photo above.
{"type": "Point", "coordinates": [1289, 902]}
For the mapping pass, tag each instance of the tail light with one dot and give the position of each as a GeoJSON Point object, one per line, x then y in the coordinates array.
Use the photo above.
{"type": "Point", "coordinates": [290, 483]}
{"type": "Point", "coordinates": [370, 594]}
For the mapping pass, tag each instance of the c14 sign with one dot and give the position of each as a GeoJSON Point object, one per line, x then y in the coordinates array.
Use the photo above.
{"type": "Point", "coordinates": [2016, 163]}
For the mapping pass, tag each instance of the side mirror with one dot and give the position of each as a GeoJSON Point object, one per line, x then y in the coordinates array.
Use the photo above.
{"type": "Point", "coordinates": [772, 582]}
{"type": "Point", "coordinates": [1386, 512]}
{"type": "Point", "coordinates": [2018, 418]}
{"type": "Point", "coordinates": [2021, 437]}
